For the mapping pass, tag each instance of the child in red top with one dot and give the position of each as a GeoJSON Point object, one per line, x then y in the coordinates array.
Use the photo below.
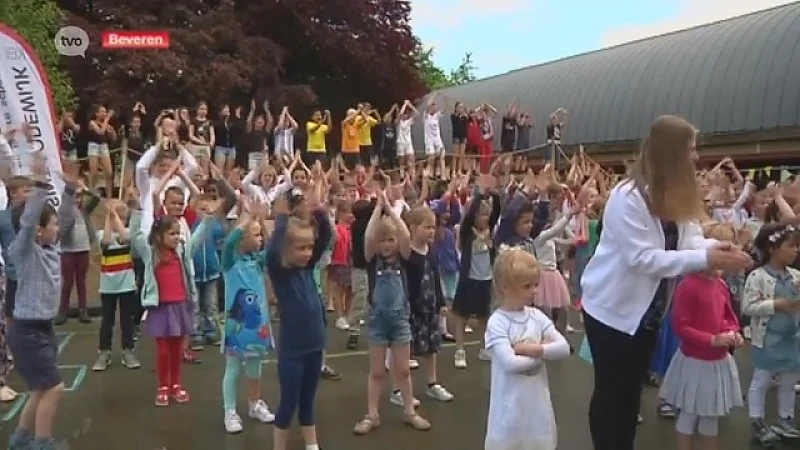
{"type": "Point", "coordinates": [702, 381]}
{"type": "Point", "coordinates": [341, 261]}
{"type": "Point", "coordinates": [168, 292]}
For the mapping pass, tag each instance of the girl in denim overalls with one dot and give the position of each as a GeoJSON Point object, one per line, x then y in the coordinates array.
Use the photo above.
{"type": "Point", "coordinates": [772, 300]}
{"type": "Point", "coordinates": [387, 243]}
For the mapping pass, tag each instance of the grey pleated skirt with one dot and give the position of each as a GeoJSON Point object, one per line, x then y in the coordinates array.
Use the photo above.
{"type": "Point", "coordinates": [702, 388]}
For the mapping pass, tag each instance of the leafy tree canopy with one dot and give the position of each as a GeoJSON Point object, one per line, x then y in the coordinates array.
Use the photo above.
{"type": "Point", "coordinates": [38, 21]}
{"type": "Point", "coordinates": [435, 77]}
{"type": "Point", "coordinates": [300, 52]}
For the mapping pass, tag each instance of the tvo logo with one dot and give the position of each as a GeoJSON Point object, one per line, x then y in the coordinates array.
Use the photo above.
{"type": "Point", "coordinates": [72, 41]}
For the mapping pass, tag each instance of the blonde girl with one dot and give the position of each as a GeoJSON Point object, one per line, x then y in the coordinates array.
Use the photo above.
{"type": "Point", "coordinates": [426, 299]}
{"type": "Point", "coordinates": [520, 338]}
{"type": "Point", "coordinates": [386, 246]}
{"type": "Point", "coordinates": [247, 333]}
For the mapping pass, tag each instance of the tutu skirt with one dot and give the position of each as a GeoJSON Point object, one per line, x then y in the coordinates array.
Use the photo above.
{"type": "Point", "coordinates": [552, 292]}
{"type": "Point", "coordinates": [172, 319]}
{"type": "Point", "coordinates": [702, 388]}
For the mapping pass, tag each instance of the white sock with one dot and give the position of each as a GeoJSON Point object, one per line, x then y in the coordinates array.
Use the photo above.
{"type": "Point", "coordinates": [312, 447]}
{"type": "Point", "coordinates": [443, 324]}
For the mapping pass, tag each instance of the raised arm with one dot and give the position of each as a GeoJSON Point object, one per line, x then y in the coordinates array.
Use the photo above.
{"type": "Point", "coordinates": [370, 237]}
{"type": "Point", "coordinates": [24, 241]}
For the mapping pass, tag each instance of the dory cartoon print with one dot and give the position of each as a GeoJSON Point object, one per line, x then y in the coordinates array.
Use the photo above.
{"type": "Point", "coordinates": [246, 329]}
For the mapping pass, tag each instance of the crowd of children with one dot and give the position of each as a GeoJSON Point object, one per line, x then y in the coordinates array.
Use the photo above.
{"type": "Point", "coordinates": [200, 255]}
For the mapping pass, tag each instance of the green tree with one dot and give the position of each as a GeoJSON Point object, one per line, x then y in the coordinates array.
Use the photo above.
{"type": "Point", "coordinates": [465, 72]}
{"type": "Point", "coordinates": [435, 77]}
{"type": "Point", "coordinates": [38, 21]}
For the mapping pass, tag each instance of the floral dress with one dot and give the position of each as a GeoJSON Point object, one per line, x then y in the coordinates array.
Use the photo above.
{"type": "Point", "coordinates": [426, 299]}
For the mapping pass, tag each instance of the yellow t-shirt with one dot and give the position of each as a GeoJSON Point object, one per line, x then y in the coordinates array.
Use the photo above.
{"type": "Point", "coordinates": [316, 137]}
{"type": "Point", "coordinates": [365, 132]}
{"type": "Point", "coordinates": [350, 137]}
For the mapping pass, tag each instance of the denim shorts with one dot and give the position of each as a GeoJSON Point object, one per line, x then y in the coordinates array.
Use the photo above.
{"type": "Point", "coordinates": [224, 152]}
{"type": "Point", "coordinates": [35, 348]}
{"type": "Point", "coordinates": [95, 149]}
{"type": "Point", "coordinates": [388, 327]}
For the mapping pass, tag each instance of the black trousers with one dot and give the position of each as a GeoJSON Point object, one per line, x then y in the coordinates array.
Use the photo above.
{"type": "Point", "coordinates": [11, 295]}
{"type": "Point", "coordinates": [127, 308]}
{"type": "Point", "coordinates": [620, 364]}
{"type": "Point", "coordinates": [138, 310]}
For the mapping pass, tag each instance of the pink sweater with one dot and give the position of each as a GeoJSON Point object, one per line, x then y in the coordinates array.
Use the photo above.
{"type": "Point", "coordinates": [701, 309]}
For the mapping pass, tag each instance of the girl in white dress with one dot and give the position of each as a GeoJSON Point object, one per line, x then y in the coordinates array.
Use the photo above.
{"type": "Point", "coordinates": [520, 338]}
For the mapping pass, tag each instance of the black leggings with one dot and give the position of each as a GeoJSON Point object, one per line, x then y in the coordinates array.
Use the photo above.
{"type": "Point", "coordinates": [620, 364]}
{"type": "Point", "coordinates": [298, 377]}
{"type": "Point", "coordinates": [127, 309]}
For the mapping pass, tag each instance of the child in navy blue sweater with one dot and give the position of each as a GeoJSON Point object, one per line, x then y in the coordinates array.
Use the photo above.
{"type": "Point", "coordinates": [294, 250]}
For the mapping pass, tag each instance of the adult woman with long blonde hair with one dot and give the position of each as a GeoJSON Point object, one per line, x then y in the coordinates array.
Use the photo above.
{"type": "Point", "coordinates": [650, 236]}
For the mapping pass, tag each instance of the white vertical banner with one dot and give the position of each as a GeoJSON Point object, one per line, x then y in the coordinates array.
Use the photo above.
{"type": "Point", "coordinates": [26, 98]}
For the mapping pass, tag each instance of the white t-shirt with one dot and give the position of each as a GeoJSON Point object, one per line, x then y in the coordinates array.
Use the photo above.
{"type": "Point", "coordinates": [400, 207]}
{"type": "Point", "coordinates": [147, 183]}
{"type": "Point", "coordinates": [520, 410]}
{"type": "Point", "coordinates": [404, 131]}
{"type": "Point", "coordinates": [284, 141]}
{"type": "Point", "coordinates": [433, 136]}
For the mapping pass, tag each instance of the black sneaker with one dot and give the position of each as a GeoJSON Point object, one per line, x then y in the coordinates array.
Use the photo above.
{"type": "Point", "coordinates": [352, 341]}
{"type": "Point", "coordinates": [762, 434]}
{"type": "Point", "coordinates": [60, 319]}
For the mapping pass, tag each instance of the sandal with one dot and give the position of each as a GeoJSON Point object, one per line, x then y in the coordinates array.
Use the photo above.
{"type": "Point", "coordinates": [162, 396]}
{"type": "Point", "coordinates": [666, 410]}
{"type": "Point", "coordinates": [366, 425]}
{"type": "Point", "coordinates": [416, 422]}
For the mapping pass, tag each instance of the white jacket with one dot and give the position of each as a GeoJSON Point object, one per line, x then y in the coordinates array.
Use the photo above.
{"type": "Point", "coordinates": [630, 261]}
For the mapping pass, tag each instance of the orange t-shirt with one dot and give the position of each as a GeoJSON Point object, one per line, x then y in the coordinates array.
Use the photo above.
{"type": "Point", "coordinates": [350, 137]}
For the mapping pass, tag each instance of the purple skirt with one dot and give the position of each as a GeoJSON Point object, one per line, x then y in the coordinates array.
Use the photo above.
{"type": "Point", "coordinates": [172, 319]}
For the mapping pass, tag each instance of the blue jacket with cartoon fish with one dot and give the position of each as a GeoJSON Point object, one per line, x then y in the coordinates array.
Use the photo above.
{"type": "Point", "coordinates": [247, 332]}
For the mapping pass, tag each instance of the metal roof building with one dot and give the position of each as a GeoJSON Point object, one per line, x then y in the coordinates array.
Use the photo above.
{"type": "Point", "coordinates": [737, 80]}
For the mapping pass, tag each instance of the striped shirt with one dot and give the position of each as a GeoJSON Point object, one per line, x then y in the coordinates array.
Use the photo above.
{"type": "Point", "coordinates": [116, 267]}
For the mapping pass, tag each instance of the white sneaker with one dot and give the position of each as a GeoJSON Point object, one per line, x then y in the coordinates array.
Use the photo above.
{"type": "Point", "coordinates": [438, 392]}
{"type": "Point", "coordinates": [232, 421]}
{"type": "Point", "coordinates": [260, 412]}
{"type": "Point", "coordinates": [468, 329]}
{"type": "Point", "coordinates": [484, 355]}
{"type": "Point", "coordinates": [413, 364]}
{"type": "Point", "coordinates": [341, 324]}
{"type": "Point", "coordinates": [460, 359]}
{"type": "Point", "coordinates": [396, 398]}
